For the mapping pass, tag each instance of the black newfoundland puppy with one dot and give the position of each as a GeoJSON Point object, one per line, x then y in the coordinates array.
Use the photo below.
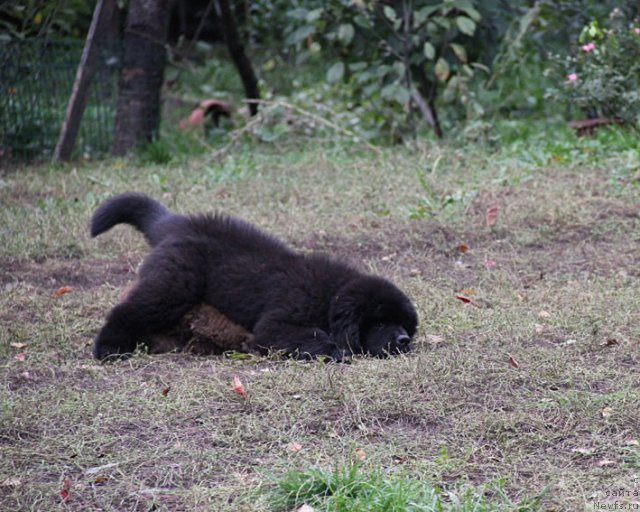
{"type": "Point", "coordinates": [304, 305]}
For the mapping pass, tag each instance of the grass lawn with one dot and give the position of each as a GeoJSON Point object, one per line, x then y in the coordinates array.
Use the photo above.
{"type": "Point", "coordinates": [523, 392]}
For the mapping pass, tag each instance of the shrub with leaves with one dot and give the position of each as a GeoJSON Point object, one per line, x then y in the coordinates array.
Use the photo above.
{"type": "Point", "coordinates": [602, 77]}
{"type": "Point", "coordinates": [397, 59]}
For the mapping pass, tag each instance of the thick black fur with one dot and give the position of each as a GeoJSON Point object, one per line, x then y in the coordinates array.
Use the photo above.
{"type": "Point", "coordinates": [305, 305]}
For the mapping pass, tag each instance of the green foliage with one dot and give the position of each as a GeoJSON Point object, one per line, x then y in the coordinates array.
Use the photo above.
{"type": "Point", "coordinates": [394, 60]}
{"type": "Point", "coordinates": [28, 18]}
{"type": "Point", "coordinates": [524, 34]}
{"type": "Point", "coordinates": [602, 77]}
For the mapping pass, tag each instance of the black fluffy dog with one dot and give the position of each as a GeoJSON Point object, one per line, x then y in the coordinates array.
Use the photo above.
{"type": "Point", "coordinates": [305, 305]}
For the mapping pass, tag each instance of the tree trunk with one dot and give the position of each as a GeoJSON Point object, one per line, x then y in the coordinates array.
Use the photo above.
{"type": "Point", "coordinates": [428, 90]}
{"type": "Point", "coordinates": [236, 50]}
{"type": "Point", "coordinates": [142, 74]}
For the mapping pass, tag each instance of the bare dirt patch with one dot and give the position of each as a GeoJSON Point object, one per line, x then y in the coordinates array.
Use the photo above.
{"type": "Point", "coordinates": [80, 273]}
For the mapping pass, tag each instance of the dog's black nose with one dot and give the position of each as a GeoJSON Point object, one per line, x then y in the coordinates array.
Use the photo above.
{"type": "Point", "coordinates": [403, 340]}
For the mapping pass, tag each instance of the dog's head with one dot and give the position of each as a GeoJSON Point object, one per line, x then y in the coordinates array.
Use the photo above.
{"type": "Point", "coordinates": [370, 315]}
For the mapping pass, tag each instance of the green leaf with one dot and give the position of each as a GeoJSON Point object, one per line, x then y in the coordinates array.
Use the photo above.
{"type": "Point", "coordinates": [300, 34]}
{"type": "Point", "coordinates": [298, 13]}
{"type": "Point", "coordinates": [445, 23]}
{"type": "Point", "coordinates": [469, 9]}
{"type": "Point", "coordinates": [480, 66]}
{"type": "Point", "coordinates": [421, 15]}
{"type": "Point", "coordinates": [346, 33]}
{"type": "Point", "coordinates": [442, 69]}
{"type": "Point", "coordinates": [396, 92]}
{"type": "Point", "coordinates": [466, 25]}
{"type": "Point", "coordinates": [314, 15]}
{"type": "Point", "coordinates": [460, 51]}
{"type": "Point", "coordinates": [429, 50]}
{"type": "Point", "coordinates": [362, 21]}
{"type": "Point", "coordinates": [358, 66]}
{"type": "Point", "coordinates": [390, 13]}
{"type": "Point", "coordinates": [335, 73]}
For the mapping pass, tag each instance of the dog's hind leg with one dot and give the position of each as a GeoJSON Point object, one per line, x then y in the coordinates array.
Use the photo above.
{"type": "Point", "coordinates": [168, 287]}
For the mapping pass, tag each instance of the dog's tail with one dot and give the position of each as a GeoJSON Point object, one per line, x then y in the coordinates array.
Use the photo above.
{"type": "Point", "coordinates": [139, 210]}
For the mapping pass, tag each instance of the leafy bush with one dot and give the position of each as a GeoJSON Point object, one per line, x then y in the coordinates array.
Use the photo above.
{"type": "Point", "coordinates": [602, 77]}
{"type": "Point", "coordinates": [397, 60]}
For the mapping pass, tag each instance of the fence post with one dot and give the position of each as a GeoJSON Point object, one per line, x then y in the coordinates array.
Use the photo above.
{"type": "Point", "coordinates": [102, 14]}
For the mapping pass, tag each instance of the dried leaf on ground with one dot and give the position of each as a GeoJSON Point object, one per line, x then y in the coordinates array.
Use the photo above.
{"type": "Point", "coordinates": [62, 291]}
{"type": "Point", "coordinates": [294, 447]}
{"type": "Point", "coordinates": [238, 387]}
{"type": "Point", "coordinates": [434, 339]}
{"type": "Point", "coordinates": [64, 493]}
{"type": "Point", "coordinates": [607, 412]}
{"type": "Point", "coordinates": [491, 215]}
{"type": "Point", "coordinates": [513, 362]}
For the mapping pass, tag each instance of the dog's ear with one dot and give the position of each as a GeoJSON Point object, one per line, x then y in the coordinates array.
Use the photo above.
{"type": "Point", "coordinates": [345, 318]}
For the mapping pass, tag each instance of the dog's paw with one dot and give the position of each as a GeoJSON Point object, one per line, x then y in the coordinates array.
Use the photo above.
{"type": "Point", "coordinates": [108, 353]}
{"type": "Point", "coordinates": [107, 349]}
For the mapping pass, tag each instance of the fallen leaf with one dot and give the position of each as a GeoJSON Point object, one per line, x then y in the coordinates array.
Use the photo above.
{"type": "Point", "coordinates": [166, 390]}
{"type": "Point", "coordinates": [18, 345]}
{"type": "Point", "coordinates": [513, 362]}
{"type": "Point", "coordinates": [62, 290]}
{"type": "Point", "coordinates": [101, 480]}
{"type": "Point", "coordinates": [489, 263]}
{"type": "Point", "coordinates": [463, 248]}
{"type": "Point", "coordinates": [606, 463]}
{"type": "Point", "coordinates": [468, 291]}
{"type": "Point", "coordinates": [491, 215]}
{"type": "Point", "coordinates": [467, 300]}
{"type": "Point", "coordinates": [544, 314]}
{"type": "Point", "coordinates": [20, 356]}
{"type": "Point", "coordinates": [611, 342]}
{"type": "Point", "coordinates": [294, 447]}
{"type": "Point", "coordinates": [414, 272]}
{"type": "Point", "coordinates": [360, 453]}
{"type": "Point", "coordinates": [11, 482]}
{"type": "Point", "coordinates": [64, 493]}
{"type": "Point", "coordinates": [238, 387]}
{"type": "Point", "coordinates": [434, 339]}
{"type": "Point", "coordinates": [607, 412]}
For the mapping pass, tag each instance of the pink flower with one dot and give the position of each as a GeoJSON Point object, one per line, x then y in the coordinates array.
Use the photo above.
{"type": "Point", "coordinates": [572, 77]}
{"type": "Point", "coordinates": [637, 30]}
{"type": "Point", "coordinates": [588, 47]}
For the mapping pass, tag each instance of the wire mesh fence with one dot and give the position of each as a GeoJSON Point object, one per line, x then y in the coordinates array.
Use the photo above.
{"type": "Point", "coordinates": [36, 79]}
